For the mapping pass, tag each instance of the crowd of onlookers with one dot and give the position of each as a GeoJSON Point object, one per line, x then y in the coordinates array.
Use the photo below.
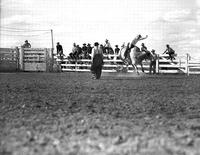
{"type": "Point", "coordinates": [84, 51]}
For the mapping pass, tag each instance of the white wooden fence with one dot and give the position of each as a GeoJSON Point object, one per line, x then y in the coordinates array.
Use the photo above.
{"type": "Point", "coordinates": [182, 64]}
{"type": "Point", "coordinates": [41, 59]}
{"type": "Point", "coordinates": [193, 65]}
{"type": "Point", "coordinates": [26, 59]}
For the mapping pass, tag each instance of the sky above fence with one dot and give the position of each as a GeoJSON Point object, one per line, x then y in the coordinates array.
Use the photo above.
{"type": "Point", "coordinates": [174, 22]}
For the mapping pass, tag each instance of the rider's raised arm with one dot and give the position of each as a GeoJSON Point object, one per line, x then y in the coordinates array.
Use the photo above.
{"type": "Point", "coordinates": [144, 37]}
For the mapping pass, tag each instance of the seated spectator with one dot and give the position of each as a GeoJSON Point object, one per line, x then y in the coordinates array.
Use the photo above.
{"type": "Point", "coordinates": [79, 52]}
{"type": "Point", "coordinates": [84, 51]}
{"type": "Point", "coordinates": [108, 48]}
{"type": "Point", "coordinates": [117, 49]}
{"type": "Point", "coordinates": [89, 48]}
{"type": "Point", "coordinates": [170, 51]}
{"type": "Point", "coordinates": [143, 48]}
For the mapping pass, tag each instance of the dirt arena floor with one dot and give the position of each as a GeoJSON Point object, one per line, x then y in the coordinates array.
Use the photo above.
{"type": "Point", "coordinates": [71, 114]}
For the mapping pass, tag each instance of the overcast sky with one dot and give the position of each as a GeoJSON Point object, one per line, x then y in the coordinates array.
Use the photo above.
{"type": "Point", "coordinates": [174, 22]}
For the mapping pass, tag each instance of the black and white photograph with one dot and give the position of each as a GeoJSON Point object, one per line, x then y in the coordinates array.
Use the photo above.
{"type": "Point", "coordinates": [99, 77]}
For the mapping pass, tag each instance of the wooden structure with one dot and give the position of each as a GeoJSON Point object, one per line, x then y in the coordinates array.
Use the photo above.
{"type": "Point", "coordinates": [182, 64]}
{"type": "Point", "coordinates": [36, 59]}
{"type": "Point", "coordinates": [42, 59]}
{"type": "Point", "coordinates": [9, 59]}
{"type": "Point", "coordinates": [26, 59]}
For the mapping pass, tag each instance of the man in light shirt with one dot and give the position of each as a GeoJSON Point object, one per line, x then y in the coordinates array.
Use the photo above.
{"type": "Point", "coordinates": [108, 47]}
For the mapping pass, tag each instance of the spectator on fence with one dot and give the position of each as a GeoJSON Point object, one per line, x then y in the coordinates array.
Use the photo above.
{"type": "Point", "coordinates": [108, 48]}
{"type": "Point", "coordinates": [143, 48]}
{"type": "Point", "coordinates": [74, 49]}
{"type": "Point", "coordinates": [59, 50]}
{"type": "Point", "coordinates": [84, 50]}
{"type": "Point", "coordinates": [89, 48]}
{"type": "Point", "coordinates": [170, 51]}
{"type": "Point", "coordinates": [79, 52]}
{"type": "Point", "coordinates": [97, 61]}
{"type": "Point", "coordinates": [117, 49]}
{"type": "Point", "coordinates": [26, 44]}
{"type": "Point", "coordinates": [73, 55]}
{"type": "Point", "coordinates": [153, 59]}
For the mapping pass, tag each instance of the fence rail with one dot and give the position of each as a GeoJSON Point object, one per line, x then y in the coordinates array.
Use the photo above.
{"type": "Point", "coordinates": [182, 64]}
{"type": "Point", "coordinates": [42, 59]}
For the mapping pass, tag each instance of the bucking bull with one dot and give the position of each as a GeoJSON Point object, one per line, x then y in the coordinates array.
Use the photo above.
{"type": "Point", "coordinates": [134, 57]}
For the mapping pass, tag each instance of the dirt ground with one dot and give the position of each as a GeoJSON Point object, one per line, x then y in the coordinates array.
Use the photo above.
{"type": "Point", "coordinates": [71, 114]}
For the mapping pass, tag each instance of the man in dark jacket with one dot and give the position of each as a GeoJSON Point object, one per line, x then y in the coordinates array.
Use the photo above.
{"type": "Point", "coordinates": [59, 50]}
{"type": "Point", "coordinates": [170, 51]}
{"type": "Point", "coordinates": [97, 61]}
{"type": "Point", "coordinates": [153, 59]}
{"type": "Point", "coordinates": [26, 44]}
{"type": "Point", "coordinates": [117, 49]}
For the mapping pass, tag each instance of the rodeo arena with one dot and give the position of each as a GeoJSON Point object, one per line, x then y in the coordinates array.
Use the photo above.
{"type": "Point", "coordinates": [99, 99]}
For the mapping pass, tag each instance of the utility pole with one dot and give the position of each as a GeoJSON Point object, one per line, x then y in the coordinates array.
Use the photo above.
{"type": "Point", "coordinates": [52, 55]}
{"type": "Point", "coordinates": [52, 40]}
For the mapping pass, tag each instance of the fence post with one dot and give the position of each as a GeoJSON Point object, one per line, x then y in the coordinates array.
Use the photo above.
{"type": "Point", "coordinates": [75, 65]}
{"type": "Point", "coordinates": [46, 60]}
{"type": "Point", "coordinates": [21, 59]}
{"type": "Point", "coordinates": [51, 58]}
{"type": "Point", "coordinates": [187, 64]}
{"type": "Point", "coordinates": [157, 64]}
{"type": "Point", "coordinates": [17, 58]}
{"type": "Point", "coordinates": [179, 62]}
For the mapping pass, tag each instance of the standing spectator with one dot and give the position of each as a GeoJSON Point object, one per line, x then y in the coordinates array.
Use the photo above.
{"type": "Point", "coordinates": [153, 62]}
{"type": "Point", "coordinates": [59, 50]}
{"type": "Point", "coordinates": [97, 61]}
{"type": "Point", "coordinates": [26, 44]}
{"type": "Point", "coordinates": [170, 51]}
{"type": "Point", "coordinates": [117, 49]}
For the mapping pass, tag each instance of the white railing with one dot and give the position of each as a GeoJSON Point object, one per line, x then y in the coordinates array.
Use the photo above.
{"type": "Point", "coordinates": [182, 64]}
{"type": "Point", "coordinates": [193, 65]}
